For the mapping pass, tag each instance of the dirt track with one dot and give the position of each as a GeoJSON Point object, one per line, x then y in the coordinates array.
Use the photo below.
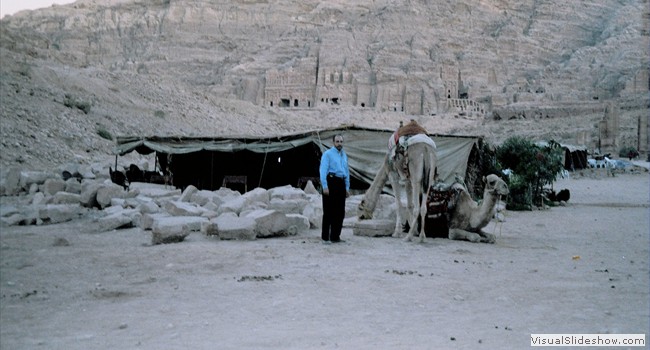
{"type": "Point", "coordinates": [583, 268]}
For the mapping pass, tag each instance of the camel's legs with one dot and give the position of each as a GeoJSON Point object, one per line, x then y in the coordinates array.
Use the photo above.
{"type": "Point", "coordinates": [460, 235]}
{"type": "Point", "coordinates": [418, 196]}
{"type": "Point", "coordinates": [487, 237]}
{"type": "Point", "coordinates": [394, 181]}
{"type": "Point", "coordinates": [410, 201]}
{"type": "Point", "coordinates": [423, 215]}
{"type": "Point", "coordinates": [413, 210]}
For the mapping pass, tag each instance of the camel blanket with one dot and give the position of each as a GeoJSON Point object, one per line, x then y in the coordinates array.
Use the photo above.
{"type": "Point", "coordinates": [404, 143]}
{"type": "Point", "coordinates": [408, 140]}
{"type": "Point", "coordinates": [419, 138]}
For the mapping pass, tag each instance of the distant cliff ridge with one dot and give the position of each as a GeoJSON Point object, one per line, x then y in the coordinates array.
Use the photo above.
{"type": "Point", "coordinates": [196, 61]}
{"type": "Point", "coordinates": [410, 56]}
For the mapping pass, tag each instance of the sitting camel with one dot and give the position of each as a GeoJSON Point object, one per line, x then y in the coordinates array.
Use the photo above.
{"type": "Point", "coordinates": [466, 218]}
{"type": "Point", "coordinates": [413, 159]}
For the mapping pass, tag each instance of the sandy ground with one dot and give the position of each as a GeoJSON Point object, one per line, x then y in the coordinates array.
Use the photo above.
{"type": "Point", "coordinates": [583, 268]}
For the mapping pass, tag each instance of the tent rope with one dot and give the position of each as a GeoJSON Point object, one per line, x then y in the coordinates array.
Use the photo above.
{"type": "Point", "coordinates": [266, 153]}
{"type": "Point", "coordinates": [496, 219]}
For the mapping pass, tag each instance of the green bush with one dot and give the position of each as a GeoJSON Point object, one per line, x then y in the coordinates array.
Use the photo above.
{"type": "Point", "coordinates": [71, 102]}
{"type": "Point", "coordinates": [84, 106]}
{"type": "Point", "coordinates": [482, 162]}
{"type": "Point", "coordinates": [628, 152]}
{"type": "Point", "coordinates": [534, 167]}
{"type": "Point", "coordinates": [103, 133]}
{"type": "Point", "coordinates": [521, 194]}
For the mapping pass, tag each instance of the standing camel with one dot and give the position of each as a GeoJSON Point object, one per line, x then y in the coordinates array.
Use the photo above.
{"type": "Point", "coordinates": [414, 160]}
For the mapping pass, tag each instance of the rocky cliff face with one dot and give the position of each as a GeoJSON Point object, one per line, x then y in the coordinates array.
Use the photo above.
{"type": "Point", "coordinates": [71, 73]}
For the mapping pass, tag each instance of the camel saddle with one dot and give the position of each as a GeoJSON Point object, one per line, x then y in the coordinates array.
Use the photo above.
{"type": "Point", "coordinates": [410, 129]}
{"type": "Point", "coordinates": [441, 199]}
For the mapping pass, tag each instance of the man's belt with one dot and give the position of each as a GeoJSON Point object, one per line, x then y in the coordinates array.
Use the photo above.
{"type": "Point", "coordinates": [332, 175]}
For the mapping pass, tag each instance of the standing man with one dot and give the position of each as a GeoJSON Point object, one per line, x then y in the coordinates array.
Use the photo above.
{"type": "Point", "coordinates": [335, 180]}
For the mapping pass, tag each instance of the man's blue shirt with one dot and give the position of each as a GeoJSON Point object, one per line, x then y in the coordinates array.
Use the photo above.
{"type": "Point", "coordinates": [334, 162]}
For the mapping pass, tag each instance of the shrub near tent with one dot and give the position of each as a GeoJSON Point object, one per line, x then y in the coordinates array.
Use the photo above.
{"type": "Point", "coordinates": [628, 152]}
{"type": "Point", "coordinates": [534, 167]}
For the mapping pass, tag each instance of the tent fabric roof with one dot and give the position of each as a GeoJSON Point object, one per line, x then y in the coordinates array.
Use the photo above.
{"type": "Point", "coordinates": [183, 145]}
{"type": "Point", "coordinates": [570, 148]}
{"type": "Point", "coordinates": [366, 148]}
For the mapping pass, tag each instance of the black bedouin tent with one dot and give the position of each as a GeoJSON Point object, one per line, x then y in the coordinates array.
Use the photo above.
{"type": "Point", "coordinates": [575, 157]}
{"type": "Point", "coordinates": [268, 162]}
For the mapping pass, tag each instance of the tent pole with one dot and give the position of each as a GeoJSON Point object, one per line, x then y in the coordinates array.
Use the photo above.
{"type": "Point", "coordinates": [266, 152]}
{"type": "Point", "coordinates": [116, 162]}
{"type": "Point", "coordinates": [212, 170]}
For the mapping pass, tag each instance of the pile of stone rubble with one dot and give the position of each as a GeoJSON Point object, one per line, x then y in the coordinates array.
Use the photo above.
{"type": "Point", "coordinates": [41, 198]}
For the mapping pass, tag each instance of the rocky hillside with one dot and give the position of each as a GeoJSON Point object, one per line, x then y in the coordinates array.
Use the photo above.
{"type": "Point", "coordinates": [73, 77]}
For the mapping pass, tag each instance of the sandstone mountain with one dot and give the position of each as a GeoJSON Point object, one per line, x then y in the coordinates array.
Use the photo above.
{"type": "Point", "coordinates": [74, 77]}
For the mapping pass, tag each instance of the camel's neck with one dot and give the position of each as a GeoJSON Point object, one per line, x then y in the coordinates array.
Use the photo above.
{"type": "Point", "coordinates": [488, 204]}
{"type": "Point", "coordinates": [372, 194]}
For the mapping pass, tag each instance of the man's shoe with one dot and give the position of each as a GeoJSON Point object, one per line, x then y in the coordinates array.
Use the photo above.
{"type": "Point", "coordinates": [326, 242]}
{"type": "Point", "coordinates": [338, 241]}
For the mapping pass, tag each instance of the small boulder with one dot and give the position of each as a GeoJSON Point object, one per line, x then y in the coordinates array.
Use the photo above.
{"type": "Point", "coordinates": [12, 181]}
{"type": "Point", "coordinates": [269, 223]}
{"type": "Point", "coordinates": [114, 221]}
{"type": "Point", "coordinates": [174, 228]}
{"type": "Point", "coordinates": [56, 213]}
{"type": "Point", "coordinates": [107, 192]}
{"type": "Point", "coordinates": [187, 194]}
{"type": "Point", "coordinates": [233, 227]}
{"type": "Point", "coordinates": [66, 198]}
{"type": "Point", "coordinates": [373, 228]}
{"type": "Point", "coordinates": [29, 178]}
{"type": "Point", "coordinates": [52, 186]}
{"type": "Point", "coordinates": [88, 196]}
{"type": "Point", "coordinates": [179, 208]}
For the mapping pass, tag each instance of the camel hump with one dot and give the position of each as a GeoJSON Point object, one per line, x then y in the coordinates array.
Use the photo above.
{"type": "Point", "coordinates": [412, 128]}
{"type": "Point", "coordinates": [404, 132]}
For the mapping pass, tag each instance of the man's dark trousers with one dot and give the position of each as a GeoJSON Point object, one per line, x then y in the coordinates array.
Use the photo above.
{"type": "Point", "coordinates": [333, 209]}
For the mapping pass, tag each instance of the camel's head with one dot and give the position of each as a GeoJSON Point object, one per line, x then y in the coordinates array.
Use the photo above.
{"type": "Point", "coordinates": [364, 211]}
{"type": "Point", "coordinates": [495, 185]}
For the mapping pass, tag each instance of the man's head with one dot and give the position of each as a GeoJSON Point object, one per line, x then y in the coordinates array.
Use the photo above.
{"type": "Point", "coordinates": [338, 141]}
